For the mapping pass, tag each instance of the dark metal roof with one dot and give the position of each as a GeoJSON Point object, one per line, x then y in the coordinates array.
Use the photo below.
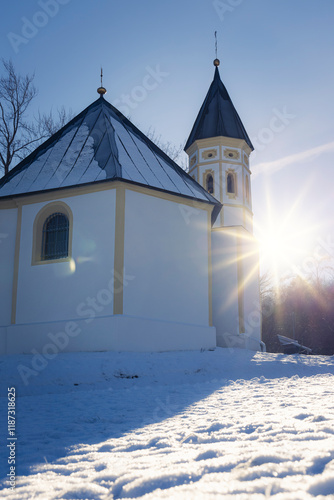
{"type": "Point", "coordinates": [217, 116]}
{"type": "Point", "coordinates": [98, 145]}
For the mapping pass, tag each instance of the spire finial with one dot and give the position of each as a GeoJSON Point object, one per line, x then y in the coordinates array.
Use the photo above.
{"type": "Point", "coordinates": [101, 90]}
{"type": "Point", "coordinates": [216, 62]}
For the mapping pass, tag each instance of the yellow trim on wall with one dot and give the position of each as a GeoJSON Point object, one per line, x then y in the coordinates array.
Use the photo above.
{"type": "Point", "coordinates": [221, 193]}
{"type": "Point", "coordinates": [29, 199]}
{"type": "Point", "coordinates": [43, 214]}
{"type": "Point", "coordinates": [212, 142]}
{"type": "Point", "coordinates": [207, 164]}
{"type": "Point", "coordinates": [169, 197]}
{"type": "Point", "coordinates": [232, 154]}
{"type": "Point", "coordinates": [241, 287]}
{"type": "Point", "coordinates": [238, 205]}
{"type": "Point", "coordinates": [93, 188]}
{"type": "Point", "coordinates": [209, 153]}
{"type": "Point", "coordinates": [221, 143]}
{"type": "Point", "coordinates": [210, 268]}
{"type": "Point", "coordinates": [119, 250]}
{"type": "Point", "coordinates": [16, 263]}
{"type": "Point", "coordinates": [247, 191]}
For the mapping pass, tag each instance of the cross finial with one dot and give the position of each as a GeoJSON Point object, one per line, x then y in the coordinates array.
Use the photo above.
{"type": "Point", "coordinates": [101, 90]}
{"type": "Point", "coordinates": [216, 62]}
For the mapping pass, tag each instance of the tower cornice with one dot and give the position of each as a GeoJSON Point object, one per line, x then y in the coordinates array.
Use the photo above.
{"type": "Point", "coordinates": [219, 141]}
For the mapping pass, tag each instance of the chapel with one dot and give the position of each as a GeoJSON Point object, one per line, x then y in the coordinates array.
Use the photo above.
{"type": "Point", "coordinates": [109, 245]}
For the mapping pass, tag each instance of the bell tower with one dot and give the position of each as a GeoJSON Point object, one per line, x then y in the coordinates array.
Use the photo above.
{"type": "Point", "coordinates": [219, 149]}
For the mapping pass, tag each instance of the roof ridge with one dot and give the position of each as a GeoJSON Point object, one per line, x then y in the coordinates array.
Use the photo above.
{"type": "Point", "coordinates": [112, 142]}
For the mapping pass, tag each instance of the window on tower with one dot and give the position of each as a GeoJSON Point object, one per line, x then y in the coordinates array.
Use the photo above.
{"type": "Point", "coordinates": [231, 183]}
{"type": "Point", "coordinates": [209, 184]}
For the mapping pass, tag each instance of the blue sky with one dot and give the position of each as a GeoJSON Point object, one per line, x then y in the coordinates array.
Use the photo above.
{"type": "Point", "coordinates": [276, 62]}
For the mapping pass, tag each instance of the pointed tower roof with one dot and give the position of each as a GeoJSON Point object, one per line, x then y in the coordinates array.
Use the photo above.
{"type": "Point", "coordinates": [217, 116]}
{"type": "Point", "coordinates": [100, 145]}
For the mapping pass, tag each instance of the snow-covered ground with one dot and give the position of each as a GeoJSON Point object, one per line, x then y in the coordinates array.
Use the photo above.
{"type": "Point", "coordinates": [227, 424]}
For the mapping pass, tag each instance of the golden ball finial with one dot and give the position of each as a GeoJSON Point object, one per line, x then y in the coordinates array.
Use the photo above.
{"type": "Point", "coordinates": [101, 90]}
{"type": "Point", "coordinates": [216, 62]}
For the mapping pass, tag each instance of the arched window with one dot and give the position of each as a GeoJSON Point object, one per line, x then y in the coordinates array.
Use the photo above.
{"type": "Point", "coordinates": [55, 237]}
{"type": "Point", "coordinates": [209, 183]}
{"type": "Point", "coordinates": [52, 234]}
{"type": "Point", "coordinates": [231, 183]}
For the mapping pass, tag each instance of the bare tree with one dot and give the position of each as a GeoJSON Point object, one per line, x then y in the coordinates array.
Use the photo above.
{"type": "Point", "coordinates": [18, 134]}
{"type": "Point", "coordinates": [49, 125]}
{"type": "Point", "coordinates": [174, 152]}
{"type": "Point", "coordinates": [266, 284]}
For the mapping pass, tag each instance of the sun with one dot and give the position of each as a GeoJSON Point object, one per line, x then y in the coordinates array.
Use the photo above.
{"type": "Point", "coordinates": [285, 234]}
{"type": "Point", "coordinates": [283, 247]}
{"type": "Point", "coordinates": [276, 249]}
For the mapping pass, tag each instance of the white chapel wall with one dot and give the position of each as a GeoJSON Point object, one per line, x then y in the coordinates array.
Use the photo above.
{"type": "Point", "coordinates": [225, 283]}
{"type": "Point", "coordinates": [60, 291]}
{"type": "Point", "coordinates": [233, 216]}
{"type": "Point", "coordinates": [8, 221]}
{"type": "Point", "coordinates": [233, 248]}
{"type": "Point", "coordinates": [252, 306]}
{"type": "Point", "coordinates": [166, 254]}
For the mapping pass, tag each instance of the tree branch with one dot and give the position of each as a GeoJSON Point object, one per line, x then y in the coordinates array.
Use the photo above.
{"type": "Point", "coordinates": [16, 134]}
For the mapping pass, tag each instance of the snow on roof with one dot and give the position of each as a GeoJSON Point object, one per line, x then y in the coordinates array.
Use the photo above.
{"type": "Point", "coordinates": [97, 145]}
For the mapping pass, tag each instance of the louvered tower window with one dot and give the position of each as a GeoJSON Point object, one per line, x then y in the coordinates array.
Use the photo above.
{"type": "Point", "coordinates": [55, 237]}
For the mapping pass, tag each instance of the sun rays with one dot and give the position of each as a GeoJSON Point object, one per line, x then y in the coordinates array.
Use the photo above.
{"type": "Point", "coordinates": [285, 239]}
